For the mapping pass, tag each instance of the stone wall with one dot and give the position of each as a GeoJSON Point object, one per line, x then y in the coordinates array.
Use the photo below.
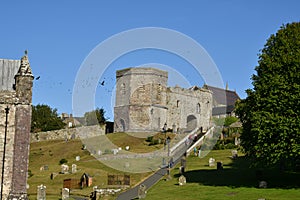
{"type": "Point", "coordinates": [70, 133]}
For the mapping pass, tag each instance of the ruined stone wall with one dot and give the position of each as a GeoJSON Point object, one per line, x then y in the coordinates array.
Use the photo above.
{"type": "Point", "coordinates": [70, 133]}
{"type": "Point", "coordinates": [7, 100]}
{"type": "Point", "coordinates": [188, 109]}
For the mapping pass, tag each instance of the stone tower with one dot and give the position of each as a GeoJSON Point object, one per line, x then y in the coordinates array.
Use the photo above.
{"type": "Point", "coordinates": [140, 100]}
{"type": "Point", "coordinates": [144, 103]}
{"type": "Point", "coordinates": [15, 121]}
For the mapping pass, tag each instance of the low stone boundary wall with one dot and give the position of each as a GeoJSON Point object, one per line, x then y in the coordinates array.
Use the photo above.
{"type": "Point", "coordinates": [68, 134]}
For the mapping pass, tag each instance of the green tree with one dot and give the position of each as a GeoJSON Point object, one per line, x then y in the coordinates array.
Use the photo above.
{"type": "Point", "coordinates": [45, 118]}
{"type": "Point", "coordinates": [270, 113]}
{"type": "Point", "coordinates": [95, 117]}
{"type": "Point", "coordinates": [230, 120]}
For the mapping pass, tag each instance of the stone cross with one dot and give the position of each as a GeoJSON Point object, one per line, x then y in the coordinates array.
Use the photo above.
{"type": "Point", "coordinates": [41, 192]}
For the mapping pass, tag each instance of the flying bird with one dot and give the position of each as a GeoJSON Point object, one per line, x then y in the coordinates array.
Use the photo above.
{"type": "Point", "coordinates": [102, 83]}
{"type": "Point", "coordinates": [37, 78]}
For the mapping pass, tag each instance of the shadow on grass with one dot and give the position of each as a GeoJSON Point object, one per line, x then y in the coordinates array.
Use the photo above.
{"type": "Point", "coordinates": [238, 174]}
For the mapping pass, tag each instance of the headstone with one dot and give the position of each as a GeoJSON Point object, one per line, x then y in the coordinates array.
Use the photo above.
{"type": "Point", "coordinates": [183, 165]}
{"type": "Point", "coordinates": [142, 191]}
{"type": "Point", "coordinates": [262, 184]}
{"type": "Point", "coordinates": [211, 162]}
{"type": "Point", "coordinates": [199, 153]}
{"type": "Point", "coordinates": [99, 152]}
{"type": "Point", "coordinates": [77, 158]}
{"type": "Point", "coordinates": [46, 167]}
{"type": "Point", "coordinates": [120, 148]}
{"type": "Point", "coordinates": [115, 151]}
{"type": "Point", "coordinates": [127, 148]}
{"type": "Point", "coordinates": [83, 147]}
{"type": "Point", "coordinates": [41, 192]}
{"type": "Point", "coordinates": [219, 165]}
{"type": "Point", "coordinates": [65, 193]}
{"type": "Point", "coordinates": [234, 154]}
{"type": "Point", "coordinates": [53, 175]}
{"type": "Point", "coordinates": [74, 168]}
{"type": "Point", "coordinates": [64, 169]}
{"type": "Point", "coordinates": [73, 136]}
{"type": "Point", "coordinates": [182, 180]}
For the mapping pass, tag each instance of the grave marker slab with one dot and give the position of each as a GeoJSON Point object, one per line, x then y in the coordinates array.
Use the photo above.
{"type": "Point", "coordinates": [41, 192]}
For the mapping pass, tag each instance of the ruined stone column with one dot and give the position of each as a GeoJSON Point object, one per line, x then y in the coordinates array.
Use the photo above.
{"type": "Point", "coordinates": [23, 86]}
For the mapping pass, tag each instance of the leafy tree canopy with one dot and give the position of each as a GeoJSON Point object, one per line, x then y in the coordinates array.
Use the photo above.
{"type": "Point", "coordinates": [95, 117]}
{"type": "Point", "coordinates": [45, 118]}
{"type": "Point", "coordinates": [270, 113]}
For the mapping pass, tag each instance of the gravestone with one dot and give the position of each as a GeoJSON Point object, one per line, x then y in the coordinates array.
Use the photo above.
{"type": "Point", "coordinates": [234, 154]}
{"type": "Point", "coordinates": [211, 162]}
{"type": "Point", "coordinates": [41, 192]}
{"type": "Point", "coordinates": [115, 151]}
{"type": "Point", "coordinates": [64, 169]}
{"type": "Point", "coordinates": [53, 175]}
{"type": "Point", "coordinates": [73, 136]}
{"type": "Point", "coordinates": [127, 148]}
{"type": "Point", "coordinates": [99, 152]}
{"type": "Point", "coordinates": [77, 158]}
{"type": "Point", "coordinates": [65, 193]}
{"type": "Point", "coordinates": [183, 165]}
{"type": "Point", "coordinates": [74, 168]}
{"type": "Point", "coordinates": [219, 165]}
{"type": "Point", "coordinates": [262, 184]}
{"type": "Point", "coordinates": [142, 191]}
{"type": "Point", "coordinates": [182, 180]}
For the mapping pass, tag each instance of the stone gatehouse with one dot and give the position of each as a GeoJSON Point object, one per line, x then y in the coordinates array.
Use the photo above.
{"type": "Point", "coordinates": [144, 103]}
{"type": "Point", "coordinates": [15, 120]}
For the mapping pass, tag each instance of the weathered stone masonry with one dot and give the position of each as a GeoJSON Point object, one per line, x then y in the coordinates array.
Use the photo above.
{"type": "Point", "coordinates": [16, 95]}
{"type": "Point", "coordinates": [144, 103]}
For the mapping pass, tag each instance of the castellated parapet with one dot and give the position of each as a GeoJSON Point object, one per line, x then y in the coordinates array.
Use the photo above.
{"type": "Point", "coordinates": [15, 121]}
{"type": "Point", "coordinates": [144, 103]}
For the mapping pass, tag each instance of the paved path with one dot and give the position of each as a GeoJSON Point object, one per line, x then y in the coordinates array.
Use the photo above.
{"type": "Point", "coordinates": [133, 193]}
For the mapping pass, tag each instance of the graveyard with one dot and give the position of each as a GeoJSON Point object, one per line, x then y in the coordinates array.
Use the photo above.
{"type": "Point", "coordinates": [235, 181]}
{"type": "Point", "coordinates": [201, 180]}
{"type": "Point", "coordinates": [45, 168]}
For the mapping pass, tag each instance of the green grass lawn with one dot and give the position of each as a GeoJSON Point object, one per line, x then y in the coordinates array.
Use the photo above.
{"type": "Point", "coordinates": [51, 152]}
{"type": "Point", "coordinates": [235, 181]}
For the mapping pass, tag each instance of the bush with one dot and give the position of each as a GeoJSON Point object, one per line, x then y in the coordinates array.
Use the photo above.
{"type": "Point", "coordinates": [63, 161]}
{"type": "Point", "coordinates": [149, 139]}
{"type": "Point", "coordinates": [154, 142]}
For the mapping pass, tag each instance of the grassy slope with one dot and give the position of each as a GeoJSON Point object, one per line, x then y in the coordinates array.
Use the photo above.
{"type": "Point", "coordinates": [51, 152]}
{"type": "Point", "coordinates": [236, 181]}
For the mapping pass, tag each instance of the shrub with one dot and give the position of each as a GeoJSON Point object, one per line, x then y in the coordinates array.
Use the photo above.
{"type": "Point", "coordinates": [63, 161]}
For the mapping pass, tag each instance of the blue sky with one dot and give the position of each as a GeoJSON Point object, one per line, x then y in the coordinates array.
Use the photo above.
{"type": "Point", "coordinates": [59, 35]}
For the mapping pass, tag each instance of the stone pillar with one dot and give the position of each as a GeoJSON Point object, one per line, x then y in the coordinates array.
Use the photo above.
{"type": "Point", "coordinates": [23, 87]}
{"type": "Point", "coordinates": [21, 152]}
